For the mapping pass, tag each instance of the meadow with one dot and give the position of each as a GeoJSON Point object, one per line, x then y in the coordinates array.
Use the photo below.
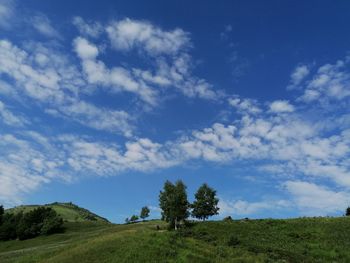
{"type": "Point", "coordinates": [267, 240]}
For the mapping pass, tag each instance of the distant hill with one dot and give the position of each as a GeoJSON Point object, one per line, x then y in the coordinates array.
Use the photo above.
{"type": "Point", "coordinates": [68, 211]}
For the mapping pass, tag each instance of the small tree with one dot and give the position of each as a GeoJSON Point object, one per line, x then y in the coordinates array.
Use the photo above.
{"type": "Point", "coordinates": [347, 213]}
{"type": "Point", "coordinates": [144, 212]}
{"type": "Point", "coordinates": [127, 221]}
{"type": "Point", "coordinates": [2, 211]}
{"type": "Point", "coordinates": [206, 203]}
{"type": "Point", "coordinates": [134, 218]}
{"type": "Point", "coordinates": [173, 202]}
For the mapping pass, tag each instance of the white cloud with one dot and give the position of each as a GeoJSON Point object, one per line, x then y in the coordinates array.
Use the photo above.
{"type": "Point", "coordinates": [127, 34]}
{"type": "Point", "coordinates": [279, 106]}
{"type": "Point", "coordinates": [9, 118]}
{"type": "Point", "coordinates": [84, 49]}
{"type": "Point", "coordinates": [47, 76]}
{"type": "Point", "coordinates": [93, 29]}
{"type": "Point", "coordinates": [6, 13]}
{"type": "Point", "coordinates": [244, 105]}
{"type": "Point", "coordinates": [331, 82]}
{"type": "Point", "coordinates": [313, 199]}
{"type": "Point", "coordinates": [43, 25]}
{"type": "Point", "coordinates": [244, 208]}
{"type": "Point", "coordinates": [99, 118]}
{"type": "Point", "coordinates": [298, 75]}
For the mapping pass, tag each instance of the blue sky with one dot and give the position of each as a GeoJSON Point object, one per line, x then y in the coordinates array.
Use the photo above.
{"type": "Point", "coordinates": [101, 102]}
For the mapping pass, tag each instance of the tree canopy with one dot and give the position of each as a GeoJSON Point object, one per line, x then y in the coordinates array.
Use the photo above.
{"type": "Point", "coordinates": [173, 203]}
{"type": "Point", "coordinates": [206, 203]}
{"type": "Point", "coordinates": [144, 212]}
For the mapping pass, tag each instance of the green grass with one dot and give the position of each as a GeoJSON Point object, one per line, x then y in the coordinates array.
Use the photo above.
{"type": "Point", "coordinates": [293, 240]}
{"type": "Point", "coordinates": [68, 211]}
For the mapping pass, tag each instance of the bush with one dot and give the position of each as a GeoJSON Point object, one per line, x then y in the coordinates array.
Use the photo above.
{"type": "Point", "coordinates": [40, 221]}
{"type": "Point", "coordinates": [8, 228]}
{"type": "Point", "coordinates": [233, 241]}
{"type": "Point", "coordinates": [52, 225]}
{"type": "Point", "coordinates": [227, 219]}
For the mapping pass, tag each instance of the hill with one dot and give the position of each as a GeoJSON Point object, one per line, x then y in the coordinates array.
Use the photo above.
{"type": "Point", "coordinates": [292, 240]}
{"type": "Point", "coordinates": [68, 211]}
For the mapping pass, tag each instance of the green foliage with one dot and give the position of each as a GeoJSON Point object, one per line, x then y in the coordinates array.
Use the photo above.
{"type": "Point", "coordinates": [206, 203]}
{"type": "Point", "coordinates": [2, 211]}
{"type": "Point", "coordinates": [40, 221]}
{"type": "Point", "coordinates": [134, 218]}
{"type": "Point", "coordinates": [347, 213]}
{"type": "Point", "coordinates": [8, 228]}
{"type": "Point", "coordinates": [67, 211]}
{"type": "Point", "coordinates": [298, 240]}
{"type": "Point", "coordinates": [227, 219]}
{"type": "Point", "coordinates": [173, 202]}
{"type": "Point", "coordinates": [290, 240]}
{"type": "Point", "coordinates": [144, 212]}
{"type": "Point", "coordinates": [51, 225]}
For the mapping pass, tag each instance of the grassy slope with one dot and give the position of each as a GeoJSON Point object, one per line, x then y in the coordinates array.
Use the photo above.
{"type": "Point", "coordinates": [69, 212]}
{"type": "Point", "coordinates": [295, 240]}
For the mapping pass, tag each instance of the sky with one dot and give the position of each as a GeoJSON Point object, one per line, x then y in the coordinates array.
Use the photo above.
{"type": "Point", "coordinates": [103, 101]}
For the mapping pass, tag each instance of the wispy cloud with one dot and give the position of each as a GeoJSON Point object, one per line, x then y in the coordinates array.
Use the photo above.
{"type": "Point", "coordinates": [43, 25]}
{"type": "Point", "coordinates": [7, 10]}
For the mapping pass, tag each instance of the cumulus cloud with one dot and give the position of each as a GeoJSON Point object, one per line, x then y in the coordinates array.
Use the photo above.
{"type": "Point", "coordinates": [47, 77]}
{"type": "Point", "coordinates": [244, 105]}
{"type": "Point", "coordinates": [331, 82]}
{"type": "Point", "coordinates": [127, 34]}
{"type": "Point", "coordinates": [245, 208]}
{"type": "Point", "coordinates": [298, 75]}
{"type": "Point", "coordinates": [92, 29]}
{"type": "Point", "coordinates": [84, 49]}
{"type": "Point", "coordinates": [314, 199]}
{"type": "Point", "coordinates": [170, 52]}
{"type": "Point", "coordinates": [25, 166]}
{"type": "Point", "coordinates": [280, 106]}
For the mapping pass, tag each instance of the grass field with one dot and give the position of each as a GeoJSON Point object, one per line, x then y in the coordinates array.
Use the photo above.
{"type": "Point", "coordinates": [293, 240]}
{"type": "Point", "coordinates": [68, 211]}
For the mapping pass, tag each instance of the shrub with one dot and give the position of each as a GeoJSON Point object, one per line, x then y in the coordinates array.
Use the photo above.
{"type": "Point", "coordinates": [40, 221]}
{"type": "Point", "coordinates": [347, 212]}
{"type": "Point", "coordinates": [233, 241]}
{"type": "Point", "coordinates": [227, 219]}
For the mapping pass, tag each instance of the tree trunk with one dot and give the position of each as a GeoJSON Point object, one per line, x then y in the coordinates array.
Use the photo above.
{"type": "Point", "coordinates": [175, 223]}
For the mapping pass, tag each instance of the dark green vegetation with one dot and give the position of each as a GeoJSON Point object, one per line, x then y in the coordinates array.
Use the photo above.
{"type": "Point", "coordinates": [293, 240]}
{"type": "Point", "coordinates": [174, 204]}
{"type": "Point", "coordinates": [39, 221]}
{"type": "Point", "coordinates": [206, 203]}
{"type": "Point", "coordinates": [68, 211]}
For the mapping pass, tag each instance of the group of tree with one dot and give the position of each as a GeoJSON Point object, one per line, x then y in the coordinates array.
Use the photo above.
{"type": "Point", "coordinates": [143, 215]}
{"type": "Point", "coordinates": [39, 221]}
{"type": "Point", "coordinates": [176, 208]}
{"type": "Point", "coordinates": [347, 212]}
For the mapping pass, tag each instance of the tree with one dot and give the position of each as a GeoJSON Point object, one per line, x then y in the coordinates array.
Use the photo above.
{"type": "Point", "coordinates": [127, 221]}
{"type": "Point", "coordinates": [173, 202]}
{"type": "Point", "coordinates": [134, 218]}
{"type": "Point", "coordinates": [2, 211]}
{"type": "Point", "coordinates": [206, 203]}
{"type": "Point", "coordinates": [144, 212]}
{"type": "Point", "coordinates": [347, 213]}
{"type": "Point", "coordinates": [42, 220]}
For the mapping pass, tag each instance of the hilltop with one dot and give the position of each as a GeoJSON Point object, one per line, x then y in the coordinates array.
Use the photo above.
{"type": "Point", "coordinates": [268, 240]}
{"type": "Point", "coordinates": [68, 211]}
